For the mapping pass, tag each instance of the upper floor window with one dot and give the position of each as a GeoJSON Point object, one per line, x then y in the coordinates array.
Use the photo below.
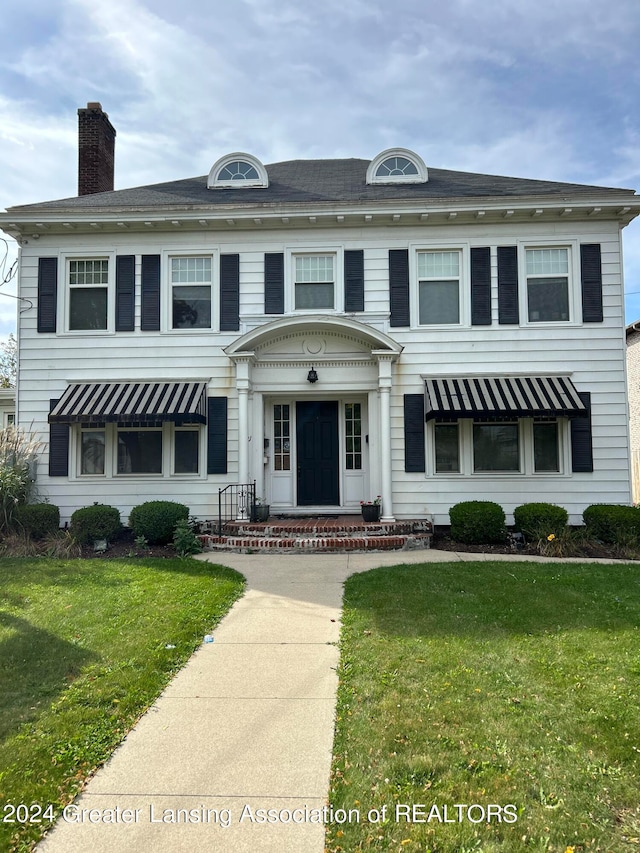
{"type": "Point", "coordinates": [191, 292]}
{"type": "Point", "coordinates": [237, 170]}
{"type": "Point", "coordinates": [439, 287]}
{"type": "Point", "coordinates": [314, 282]}
{"type": "Point", "coordinates": [547, 272]}
{"type": "Point", "coordinates": [397, 165]}
{"type": "Point", "coordinates": [88, 294]}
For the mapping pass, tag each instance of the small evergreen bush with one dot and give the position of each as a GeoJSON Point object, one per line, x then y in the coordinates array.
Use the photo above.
{"type": "Point", "coordinates": [537, 520]}
{"type": "Point", "coordinates": [95, 522]}
{"type": "Point", "coordinates": [37, 520]}
{"type": "Point", "coordinates": [156, 520]}
{"type": "Point", "coordinates": [613, 523]}
{"type": "Point", "coordinates": [478, 522]}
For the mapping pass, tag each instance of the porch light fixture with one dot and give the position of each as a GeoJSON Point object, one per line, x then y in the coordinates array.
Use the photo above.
{"type": "Point", "coordinates": [312, 376]}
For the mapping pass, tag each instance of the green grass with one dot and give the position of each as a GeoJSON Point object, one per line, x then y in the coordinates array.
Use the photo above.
{"type": "Point", "coordinates": [85, 648]}
{"type": "Point", "coordinates": [490, 683]}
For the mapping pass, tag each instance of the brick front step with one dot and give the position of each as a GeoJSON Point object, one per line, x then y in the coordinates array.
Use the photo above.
{"type": "Point", "coordinates": [318, 527]}
{"type": "Point", "coordinates": [326, 543]}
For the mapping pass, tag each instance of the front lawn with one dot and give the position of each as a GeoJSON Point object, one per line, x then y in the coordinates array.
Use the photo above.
{"type": "Point", "coordinates": [505, 692]}
{"type": "Point", "coordinates": [85, 648]}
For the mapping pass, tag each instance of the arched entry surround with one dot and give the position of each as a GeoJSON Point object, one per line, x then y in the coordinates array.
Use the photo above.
{"type": "Point", "coordinates": [354, 364]}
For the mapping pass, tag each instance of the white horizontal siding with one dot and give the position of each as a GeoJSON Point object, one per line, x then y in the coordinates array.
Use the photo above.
{"type": "Point", "coordinates": [592, 354]}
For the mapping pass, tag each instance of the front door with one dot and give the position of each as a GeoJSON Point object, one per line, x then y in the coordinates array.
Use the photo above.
{"type": "Point", "coordinates": [317, 453]}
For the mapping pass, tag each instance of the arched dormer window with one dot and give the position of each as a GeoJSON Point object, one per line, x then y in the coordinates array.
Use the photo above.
{"type": "Point", "coordinates": [237, 170]}
{"type": "Point", "coordinates": [397, 166]}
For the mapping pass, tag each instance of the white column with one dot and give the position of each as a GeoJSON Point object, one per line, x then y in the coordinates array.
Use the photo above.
{"type": "Point", "coordinates": [385, 383]}
{"type": "Point", "coordinates": [243, 386]}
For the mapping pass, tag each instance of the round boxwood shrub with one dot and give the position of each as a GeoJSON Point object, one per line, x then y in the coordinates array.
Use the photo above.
{"type": "Point", "coordinates": [612, 523]}
{"type": "Point", "coordinates": [536, 520]}
{"type": "Point", "coordinates": [156, 520]}
{"type": "Point", "coordinates": [38, 520]}
{"type": "Point", "coordinates": [478, 523]}
{"type": "Point", "coordinates": [95, 522]}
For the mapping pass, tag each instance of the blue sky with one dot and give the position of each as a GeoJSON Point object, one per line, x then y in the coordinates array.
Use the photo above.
{"type": "Point", "coordinates": [533, 89]}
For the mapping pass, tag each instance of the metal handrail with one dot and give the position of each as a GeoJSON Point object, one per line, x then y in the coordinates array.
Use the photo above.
{"type": "Point", "coordinates": [235, 502]}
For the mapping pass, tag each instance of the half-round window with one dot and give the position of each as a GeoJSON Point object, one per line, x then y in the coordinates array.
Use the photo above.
{"type": "Point", "coordinates": [397, 165]}
{"type": "Point", "coordinates": [238, 170]}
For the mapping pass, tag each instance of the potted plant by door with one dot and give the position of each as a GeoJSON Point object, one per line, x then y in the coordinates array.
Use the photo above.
{"type": "Point", "coordinates": [260, 510]}
{"type": "Point", "coordinates": [371, 509]}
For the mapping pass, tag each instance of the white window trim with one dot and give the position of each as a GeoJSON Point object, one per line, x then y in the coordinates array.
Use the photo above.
{"type": "Point", "coordinates": [421, 178]}
{"type": "Point", "coordinates": [573, 283]}
{"type": "Point", "coordinates": [166, 287]}
{"type": "Point", "coordinates": [290, 278]}
{"type": "Point", "coordinates": [261, 181]}
{"type": "Point", "coordinates": [525, 441]}
{"type": "Point", "coordinates": [168, 430]}
{"type": "Point", "coordinates": [64, 292]}
{"type": "Point", "coordinates": [464, 285]}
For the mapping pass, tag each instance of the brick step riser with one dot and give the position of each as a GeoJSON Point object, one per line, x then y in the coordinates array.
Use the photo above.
{"type": "Point", "coordinates": [309, 544]}
{"type": "Point", "coordinates": [289, 531]}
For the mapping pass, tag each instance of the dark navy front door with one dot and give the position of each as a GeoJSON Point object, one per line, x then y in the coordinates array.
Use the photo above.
{"type": "Point", "coordinates": [317, 452]}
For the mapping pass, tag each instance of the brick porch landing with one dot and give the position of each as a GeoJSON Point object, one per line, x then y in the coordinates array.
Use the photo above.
{"type": "Point", "coordinates": [323, 534]}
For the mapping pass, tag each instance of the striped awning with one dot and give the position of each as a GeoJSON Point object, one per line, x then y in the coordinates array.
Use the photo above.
{"type": "Point", "coordinates": [502, 396]}
{"type": "Point", "coordinates": [131, 402]}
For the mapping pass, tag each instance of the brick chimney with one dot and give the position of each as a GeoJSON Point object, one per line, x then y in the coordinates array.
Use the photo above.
{"type": "Point", "coordinates": [96, 145]}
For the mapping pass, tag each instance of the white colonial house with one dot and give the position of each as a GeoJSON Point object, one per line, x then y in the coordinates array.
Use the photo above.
{"type": "Point", "coordinates": [332, 329]}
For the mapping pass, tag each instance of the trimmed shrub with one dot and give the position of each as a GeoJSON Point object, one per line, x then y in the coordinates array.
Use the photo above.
{"type": "Point", "coordinates": [478, 522]}
{"type": "Point", "coordinates": [613, 523]}
{"type": "Point", "coordinates": [156, 520]}
{"type": "Point", "coordinates": [537, 520]}
{"type": "Point", "coordinates": [95, 522]}
{"type": "Point", "coordinates": [38, 520]}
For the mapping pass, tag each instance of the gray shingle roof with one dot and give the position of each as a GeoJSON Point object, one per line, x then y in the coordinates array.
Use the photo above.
{"type": "Point", "coordinates": [320, 182]}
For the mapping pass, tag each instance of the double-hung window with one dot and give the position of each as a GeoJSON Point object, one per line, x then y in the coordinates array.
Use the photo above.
{"type": "Point", "coordinates": [314, 282]}
{"type": "Point", "coordinates": [438, 287]}
{"type": "Point", "coordinates": [547, 272]}
{"type": "Point", "coordinates": [88, 280]}
{"type": "Point", "coordinates": [190, 292]}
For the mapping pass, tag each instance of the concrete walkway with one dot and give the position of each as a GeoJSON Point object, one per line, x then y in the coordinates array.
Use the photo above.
{"type": "Point", "coordinates": [246, 725]}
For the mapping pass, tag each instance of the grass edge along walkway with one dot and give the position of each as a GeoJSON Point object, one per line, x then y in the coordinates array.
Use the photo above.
{"type": "Point", "coordinates": [489, 684]}
{"type": "Point", "coordinates": [86, 646]}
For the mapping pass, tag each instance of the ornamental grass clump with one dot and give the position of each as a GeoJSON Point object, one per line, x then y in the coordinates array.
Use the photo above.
{"type": "Point", "coordinates": [540, 520]}
{"type": "Point", "coordinates": [18, 452]}
{"type": "Point", "coordinates": [478, 523]}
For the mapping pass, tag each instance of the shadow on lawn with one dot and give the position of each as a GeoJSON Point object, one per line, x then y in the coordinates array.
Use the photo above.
{"type": "Point", "coordinates": [35, 666]}
{"type": "Point", "coordinates": [485, 600]}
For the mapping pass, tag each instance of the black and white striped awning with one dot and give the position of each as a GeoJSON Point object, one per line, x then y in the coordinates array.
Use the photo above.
{"type": "Point", "coordinates": [502, 396]}
{"type": "Point", "coordinates": [131, 402]}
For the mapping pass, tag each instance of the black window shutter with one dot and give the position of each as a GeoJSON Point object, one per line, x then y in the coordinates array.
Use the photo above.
{"type": "Point", "coordinates": [150, 314]}
{"type": "Point", "coordinates": [581, 439]}
{"type": "Point", "coordinates": [353, 280]}
{"type": "Point", "coordinates": [125, 292]}
{"type": "Point", "coordinates": [47, 294]}
{"type": "Point", "coordinates": [399, 287]}
{"type": "Point", "coordinates": [217, 435]}
{"type": "Point", "coordinates": [229, 293]}
{"type": "Point", "coordinates": [508, 284]}
{"type": "Point", "coordinates": [274, 283]}
{"type": "Point", "coordinates": [591, 278]}
{"type": "Point", "coordinates": [481, 286]}
{"type": "Point", "coordinates": [414, 454]}
{"type": "Point", "coordinates": [58, 447]}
